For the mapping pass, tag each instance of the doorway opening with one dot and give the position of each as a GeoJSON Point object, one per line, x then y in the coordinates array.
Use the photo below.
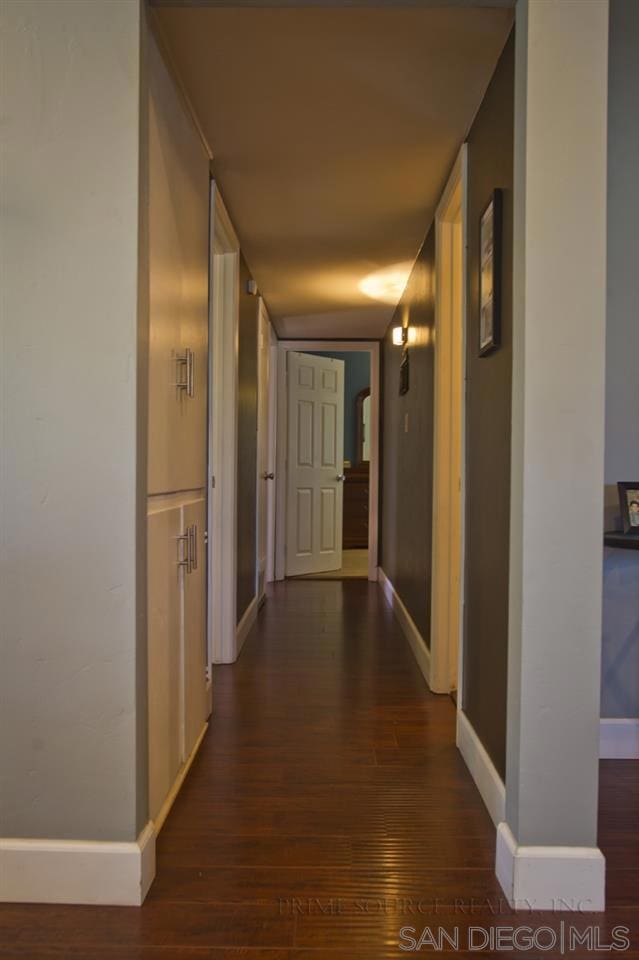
{"type": "Point", "coordinates": [327, 460]}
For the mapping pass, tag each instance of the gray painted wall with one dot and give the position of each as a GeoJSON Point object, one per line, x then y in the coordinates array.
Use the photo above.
{"type": "Point", "coordinates": [407, 454]}
{"type": "Point", "coordinates": [620, 654]}
{"type": "Point", "coordinates": [70, 522]}
{"type": "Point", "coordinates": [559, 242]}
{"type": "Point", "coordinates": [357, 377]}
{"type": "Point", "coordinates": [488, 424]}
{"type": "Point", "coordinates": [622, 319]}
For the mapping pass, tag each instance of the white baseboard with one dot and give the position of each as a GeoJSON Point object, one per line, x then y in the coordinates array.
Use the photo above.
{"type": "Point", "coordinates": [77, 871]}
{"type": "Point", "coordinates": [619, 739]}
{"type": "Point", "coordinates": [482, 769]}
{"type": "Point", "coordinates": [550, 878]}
{"type": "Point", "coordinates": [412, 634]}
{"type": "Point", "coordinates": [245, 624]}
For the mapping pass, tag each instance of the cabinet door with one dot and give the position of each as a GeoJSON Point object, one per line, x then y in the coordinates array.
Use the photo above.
{"type": "Point", "coordinates": [195, 648]}
{"type": "Point", "coordinates": [194, 325]}
{"type": "Point", "coordinates": [178, 252]}
{"type": "Point", "coordinates": [164, 653]}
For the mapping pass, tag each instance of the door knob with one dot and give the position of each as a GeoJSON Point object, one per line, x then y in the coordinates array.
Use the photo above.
{"type": "Point", "coordinates": [268, 476]}
{"type": "Point", "coordinates": [341, 477]}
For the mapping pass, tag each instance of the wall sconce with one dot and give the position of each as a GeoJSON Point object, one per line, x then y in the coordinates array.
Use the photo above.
{"type": "Point", "coordinates": [403, 335]}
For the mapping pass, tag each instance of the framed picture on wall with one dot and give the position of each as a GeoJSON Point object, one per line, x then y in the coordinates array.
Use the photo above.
{"type": "Point", "coordinates": [629, 505]}
{"type": "Point", "coordinates": [404, 374]}
{"type": "Point", "coordinates": [490, 275]}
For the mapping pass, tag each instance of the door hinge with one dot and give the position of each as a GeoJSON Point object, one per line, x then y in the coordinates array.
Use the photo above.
{"type": "Point", "coordinates": [213, 483]}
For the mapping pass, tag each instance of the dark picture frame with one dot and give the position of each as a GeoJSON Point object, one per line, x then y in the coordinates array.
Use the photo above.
{"type": "Point", "coordinates": [359, 422]}
{"type": "Point", "coordinates": [629, 505]}
{"type": "Point", "coordinates": [490, 241]}
{"type": "Point", "coordinates": [404, 373]}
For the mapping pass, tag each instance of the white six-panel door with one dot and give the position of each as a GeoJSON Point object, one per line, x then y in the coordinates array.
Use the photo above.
{"type": "Point", "coordinates": [315, 464]}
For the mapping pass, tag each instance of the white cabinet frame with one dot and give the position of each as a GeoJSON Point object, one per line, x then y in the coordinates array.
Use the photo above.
{"type": "Point", "coordinates": [223, 354]}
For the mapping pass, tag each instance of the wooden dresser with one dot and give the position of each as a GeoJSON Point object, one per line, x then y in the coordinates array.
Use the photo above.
{"type": "Point", "coordinates": [355, 526]}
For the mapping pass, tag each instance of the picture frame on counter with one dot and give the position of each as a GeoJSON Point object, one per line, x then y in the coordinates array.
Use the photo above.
{"type": "Point", "coordinates": [629, 505]}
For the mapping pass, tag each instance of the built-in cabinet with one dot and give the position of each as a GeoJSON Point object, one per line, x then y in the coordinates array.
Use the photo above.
{"type": "Point", "coordinates": [179, 185]}
{"type": "Point", "coordinates": [178, 258]}
{"type": "Point", "coordinates": [177, 657]}
{"type": "Point", "coordinates": [164, 652]}
{"type": "Point", "coordinates": [194, 622]}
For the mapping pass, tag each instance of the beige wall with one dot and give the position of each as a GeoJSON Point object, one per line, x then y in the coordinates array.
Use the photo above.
{"type": "Point", "coordinates": [70, 724]}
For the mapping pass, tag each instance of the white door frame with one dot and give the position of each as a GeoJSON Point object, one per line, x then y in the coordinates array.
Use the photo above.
{"type": "Point", "coordinates": [272, 458]}
{"type": "Point", "coordinates": [266, 422]}
{"type": "Point", "coordinates": [445, 673]}
{"type": "Point", "coordinates": [223, 373]}
{"type": "Point", "coordinates": [346, 346]}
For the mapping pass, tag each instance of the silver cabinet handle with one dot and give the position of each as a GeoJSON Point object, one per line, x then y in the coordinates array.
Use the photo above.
{"type": "Point", "coordinates": [190, 373]}
{"type": "Point", "coordinates": [184, 552]}
{"type": "Point", "coordinates": [193, 546]}
{"type": "Point", "coordinates": [182, 373]}
{"type": "Point", "coordinates": [341, 477]}
{"type": "Point", "coordinates": [187, 554]}
{"type": "Point", "coordinates": [186, 372]}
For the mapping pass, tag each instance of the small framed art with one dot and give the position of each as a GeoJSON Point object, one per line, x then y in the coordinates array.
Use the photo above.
{"type": "Point", "coordinates": [404, 373]}
{"type": "Point", "coordinates": [629, 506]}
{"type": "Point", "coordinates": [490, 275]}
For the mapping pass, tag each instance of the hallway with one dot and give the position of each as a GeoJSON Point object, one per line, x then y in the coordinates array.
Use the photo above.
{"type": "Point", "coordinates": [328, 807]}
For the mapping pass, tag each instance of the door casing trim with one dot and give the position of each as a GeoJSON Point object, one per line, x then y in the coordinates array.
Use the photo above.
{"type": "Point", "coordinates": [223, 417]}
{"type": "Point", "coordinates": [446, 674]}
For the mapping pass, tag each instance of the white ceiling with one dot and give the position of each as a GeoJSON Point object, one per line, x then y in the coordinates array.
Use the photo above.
{"type": "Point", "coordinates": [333, 131]}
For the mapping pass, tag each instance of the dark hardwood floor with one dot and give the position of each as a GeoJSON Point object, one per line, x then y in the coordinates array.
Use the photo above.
{"type": "Point", "coordinates": [328, 808]}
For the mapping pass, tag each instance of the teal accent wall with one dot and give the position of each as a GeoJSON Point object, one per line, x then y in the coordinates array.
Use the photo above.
{"type": "Point", "coordinates": [357, 376]}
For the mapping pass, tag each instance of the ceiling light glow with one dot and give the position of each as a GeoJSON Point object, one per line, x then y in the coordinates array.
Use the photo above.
{"type": "Point", "coordinates": [386, 285]}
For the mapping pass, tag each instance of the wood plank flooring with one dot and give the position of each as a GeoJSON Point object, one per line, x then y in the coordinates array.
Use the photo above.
{"type": "Point", "coordinates": [327, 809]}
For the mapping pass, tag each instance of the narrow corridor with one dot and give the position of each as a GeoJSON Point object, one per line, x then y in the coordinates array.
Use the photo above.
{"type": "Point", "coordinates": [328, 808]}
